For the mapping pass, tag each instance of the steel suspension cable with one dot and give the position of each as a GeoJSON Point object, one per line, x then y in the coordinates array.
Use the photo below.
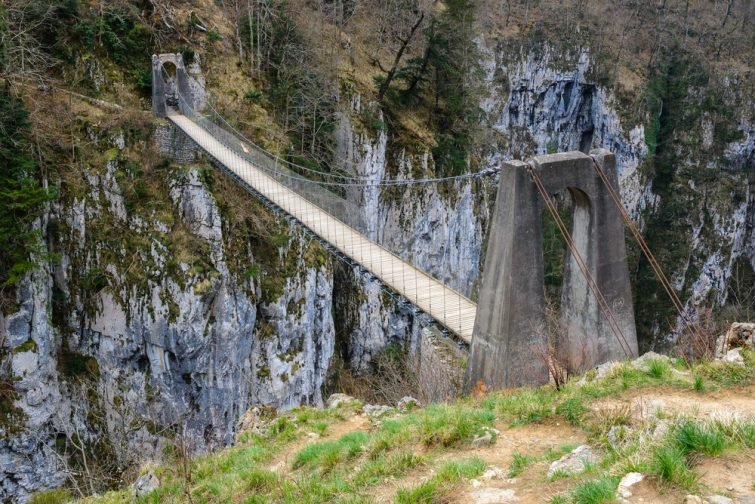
{"type": "Point", "coordinates": [591, 283]}
{"type": "Point", "coordinates": [383, 183]}
{"type": "Point", "coordinates": [645, 248]}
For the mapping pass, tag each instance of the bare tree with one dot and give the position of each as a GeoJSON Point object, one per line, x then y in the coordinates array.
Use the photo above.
{"type": "Point", "coordinates": [392, 72]}
{"type": "Point", "coordinates": [562, 358]}
{"type": "Point", "coordinates": [22, 53]}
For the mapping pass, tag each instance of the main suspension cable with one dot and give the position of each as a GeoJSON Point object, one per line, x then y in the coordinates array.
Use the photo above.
{"type": "Point", "coordinates": [352, 180]}
{"type": "Point", "coordinates": [383, 183]}
{"type": "Point", "coordinates": [645, 249]}
{"type": "Point", "coordinates": [283, 160]}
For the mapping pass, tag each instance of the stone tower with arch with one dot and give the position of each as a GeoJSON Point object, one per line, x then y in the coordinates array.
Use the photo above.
{"type": "Point", "coordinates": [161, 88]}
{"type": "Point", "coordinates": [511, 310]}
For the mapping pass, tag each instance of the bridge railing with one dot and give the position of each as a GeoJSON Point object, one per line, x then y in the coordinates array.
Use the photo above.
{"type": "Point", "coordinates": [315, 192]}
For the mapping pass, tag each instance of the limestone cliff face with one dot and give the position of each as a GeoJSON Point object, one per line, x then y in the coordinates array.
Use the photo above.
{"type": "Point", "coordinates": [26, 458]}
{"type": "Point", "coordinates": [168, 340]}
{"type": "Point", "coordinates": [438, 228]}
{"type": "Point", "coordinates": [550, 106]}
{"type": "Point", "coordinates": [547, 101]}
{"type": "Point", "coordinates": [539, 102]}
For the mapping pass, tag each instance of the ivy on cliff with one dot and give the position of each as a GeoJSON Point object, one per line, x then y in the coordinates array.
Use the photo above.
{"type": "Point", "coordinates": [680, 95]}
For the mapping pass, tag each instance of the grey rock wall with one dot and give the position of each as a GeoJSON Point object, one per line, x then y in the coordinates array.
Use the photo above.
{"type": "Point", "coordinates": [181, 351]}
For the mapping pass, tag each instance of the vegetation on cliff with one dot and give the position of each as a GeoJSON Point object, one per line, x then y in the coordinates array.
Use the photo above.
{"type": "Point", "coordinates": [22, 196]}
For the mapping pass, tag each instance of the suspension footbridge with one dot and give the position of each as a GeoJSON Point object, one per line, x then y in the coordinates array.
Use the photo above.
{"type": "Point", "coordinates": [444, 304]}
{"type": "Point", "coordinates": [507, 332]}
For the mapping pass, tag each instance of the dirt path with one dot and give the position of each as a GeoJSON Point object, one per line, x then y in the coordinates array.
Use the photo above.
{"type": "Point", "coordinates": [536, 439]}
{"type": "Point", "coordinates": [733, 474]}
{"type": "Point", "coordinates": [282, 461]}
{"type": "Point", "coordinates": [532, 485]}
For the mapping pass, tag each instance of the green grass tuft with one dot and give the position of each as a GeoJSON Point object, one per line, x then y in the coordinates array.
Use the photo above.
{"type": "Point", "coordinates": [519, 463]}
{"type": "Point", "coordinates": [373, 471]}
{"type": "Point", "coordinates": [699, 384]}
{"type": "Point", "coordinates": [456, 470]}
{"type": "Point", "coordinates": [57, 496]}
{"type": "Point", "coordinates": [527, 406]}
{"type": "Point", "coordinates": [658, 368]}
{"type": "Point", "coordinates": [596, 491]}
{"type": "Point", "coordinates": [447, 476]}
{"type": "Point", "coordinates": [573, 410]}
{"type": "Point", "coordinates": [327, 454]}
{"type": "Point", "coordinates": [259, 480]}
{"type": "Point", "coordinates": [670, 463]}
{"type": "Point", "coordinates": [747, 434]}
{"type": "Point", "coordinates": [695, 437]}
{"type": "Point", "coordinates": [727, 374]}
{"type": "Point", "coordinates": [447, 426]}
{"type": "Point", "coordinates": [320, 427]}
{"type": "Point", "coordinates": [426, 493]}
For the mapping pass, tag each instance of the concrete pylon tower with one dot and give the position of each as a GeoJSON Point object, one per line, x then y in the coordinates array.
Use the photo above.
{"type": "Point", "coordinates": [510, 323]}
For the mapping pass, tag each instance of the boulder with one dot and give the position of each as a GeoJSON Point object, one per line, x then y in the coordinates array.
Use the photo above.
{"type": "Point", "coordinates": [494, 496]}
{"type": "Point", "coordinates": [335, 400]}
{"type": "Point", "coordinates": [734, 356]}
{"type": "Point", "coordinates": [739, 335]}
{"type": "Point", "coordinates": [493, 472]}
{"type": "Point", "coordinates": [647, 407]}
{"type": "Point", "coordinates": [483, 440]}
{"type": "Point", "coordinates": [251, 420]}
{"type": "Point", "coordinates": [660, 430]}
{"type": "Point", "coordinates": [617, 434]}
{"type": "Point", "coordinates": [642, 361]}
{"type": "Point", "coordinates": [574, 462]}
{"type": "Point", "coordinates": [718, 499]}
{"type": "Point", "coordinates": [145, 484]}
{"type": "Point", "coordinates": [376, 410]}
{"type": "Point", "coordinates": [627, 482]}
{"type": "Point", "coordinates": [407, 403]}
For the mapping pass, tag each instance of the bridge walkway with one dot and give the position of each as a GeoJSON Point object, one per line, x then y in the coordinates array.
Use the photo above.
{"type": "Point", "coordinates": [447, 306]}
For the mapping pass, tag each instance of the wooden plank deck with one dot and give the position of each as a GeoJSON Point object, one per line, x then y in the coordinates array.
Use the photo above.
{"type": "Point", "coordinates": [447, 306]}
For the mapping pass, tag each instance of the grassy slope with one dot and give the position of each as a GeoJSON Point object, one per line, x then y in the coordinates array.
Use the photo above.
{"type": "Point", "coordinates": [427, 455]}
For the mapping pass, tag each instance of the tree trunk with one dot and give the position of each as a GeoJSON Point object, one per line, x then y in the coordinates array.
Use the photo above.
{"type": "Point", "coordinates": [728, 12]}
{"type": "Point", "coordinates": [250, 17]}
{"type": "Point", "coordinates": [526, 12]}
{"type": "Point", "coordinates": [392, 72]}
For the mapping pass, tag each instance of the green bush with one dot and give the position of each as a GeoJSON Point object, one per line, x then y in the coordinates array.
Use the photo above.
{"type": "Point", "coordinates": [253, 95]}
{"type": "Point", "coordinates": [214, 35]}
